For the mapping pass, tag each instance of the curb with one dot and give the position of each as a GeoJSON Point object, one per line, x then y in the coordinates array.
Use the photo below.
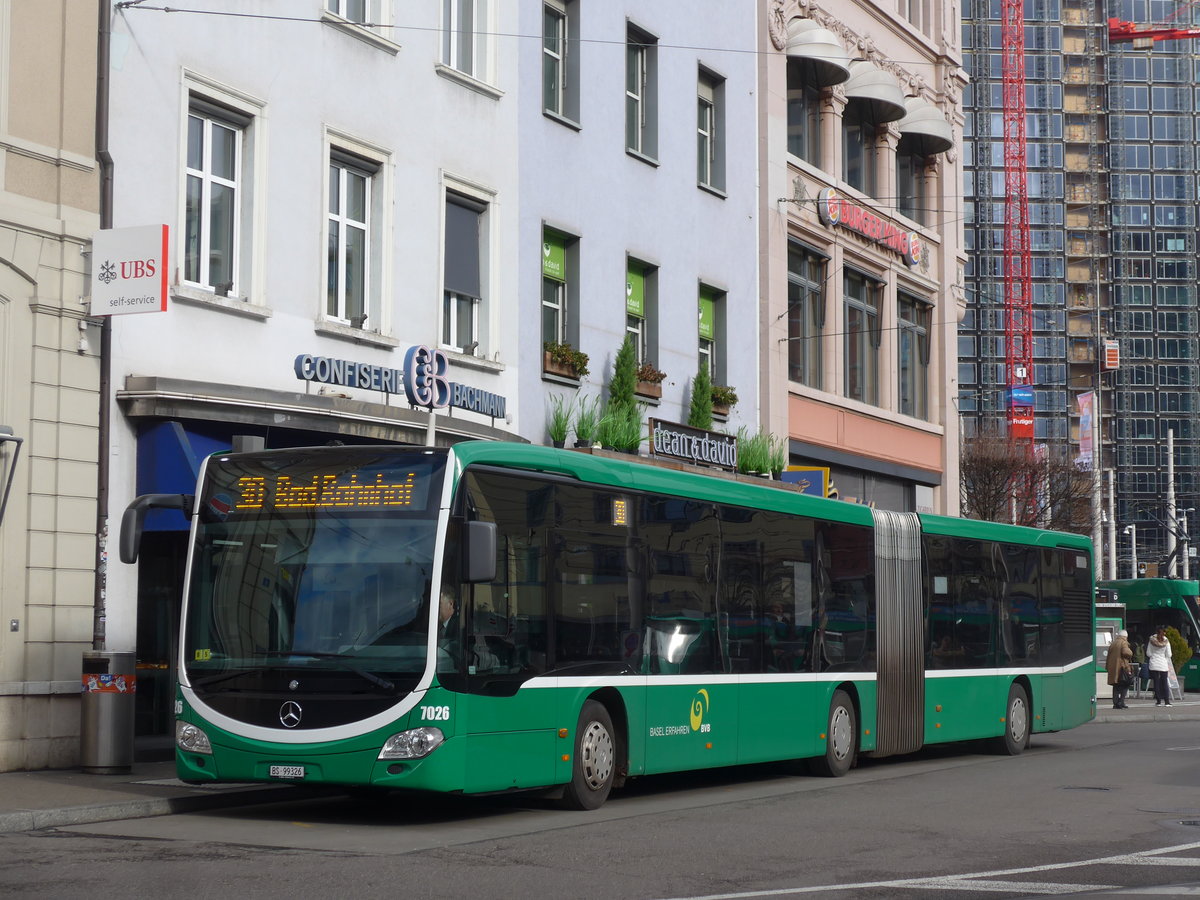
{"type": "Point", "coordinates": [37, 819]}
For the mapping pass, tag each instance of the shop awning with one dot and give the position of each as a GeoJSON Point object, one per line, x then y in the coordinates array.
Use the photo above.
{"type": "Point", "coordinates": [820, 50]}
{"type": "Point", "coordinates": [924, 130]}
{"type": "Point", "coordinates": [878, 89]}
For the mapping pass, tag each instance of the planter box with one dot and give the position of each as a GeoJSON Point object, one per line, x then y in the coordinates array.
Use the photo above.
{"type": "Point", "coordinates": [550, 367]}
{"type": "Point", "coordinates": [649, 389]}
{"type": "Point", "coordinates": [720, 409]}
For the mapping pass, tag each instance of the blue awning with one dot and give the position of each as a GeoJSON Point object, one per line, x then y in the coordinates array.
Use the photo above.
{"type": "Point", "coordinates": [168, 462]}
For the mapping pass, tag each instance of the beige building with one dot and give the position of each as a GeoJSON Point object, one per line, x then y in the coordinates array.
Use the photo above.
{"type": "Point", "coordinates": [49, 374]}
{"type": "Point", "coordinates": [861, 244]}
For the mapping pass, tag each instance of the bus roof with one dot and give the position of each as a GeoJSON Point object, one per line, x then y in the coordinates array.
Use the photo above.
{"type": "Point", "coordinates": [622, 470]}
{"type": "Point", "coordinates": [1143, 593]}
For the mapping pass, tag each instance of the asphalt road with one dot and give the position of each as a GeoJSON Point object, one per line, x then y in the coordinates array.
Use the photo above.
{"type": "Point", "coordinates": [1100, 808]}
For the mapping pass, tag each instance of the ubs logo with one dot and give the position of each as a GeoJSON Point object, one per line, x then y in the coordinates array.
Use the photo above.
{"type": "Point", "coordinates": [290, 713]}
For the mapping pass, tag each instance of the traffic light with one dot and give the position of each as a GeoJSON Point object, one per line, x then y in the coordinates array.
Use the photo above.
{"type": "Point", "coordinates": [1141, 570]}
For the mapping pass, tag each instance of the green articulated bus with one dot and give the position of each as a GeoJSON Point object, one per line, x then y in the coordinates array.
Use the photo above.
{"type": "Point", "coordinates": [499, 616]}
{"type": "Point", "coordinates": [1150, 602]}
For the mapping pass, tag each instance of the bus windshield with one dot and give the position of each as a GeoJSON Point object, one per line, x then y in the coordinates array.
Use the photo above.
{"type": "Point", "coordinates": [304, 565]}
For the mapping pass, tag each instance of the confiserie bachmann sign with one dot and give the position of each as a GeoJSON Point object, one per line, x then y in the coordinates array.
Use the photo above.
{"type": "Point", "coordinates": [693, 445]}
{"type": "Point", "coordinates": [835, 209]}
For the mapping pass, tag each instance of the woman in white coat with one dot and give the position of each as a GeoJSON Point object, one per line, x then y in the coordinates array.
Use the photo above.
{"type": "Point", "coordinates": [1158, 657]}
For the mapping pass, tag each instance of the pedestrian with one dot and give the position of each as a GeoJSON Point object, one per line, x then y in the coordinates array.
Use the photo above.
{"type": "Point", "coordinates": [1120, 668]}
{"type": "Point", "coordinates": [1158, 657]}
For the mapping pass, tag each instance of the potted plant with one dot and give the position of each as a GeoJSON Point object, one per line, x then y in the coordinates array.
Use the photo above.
{"type": "Point", "coordinates": [558, 419]}
{"type": "Point", "coordinates": [560, 358]}
{"type": "Point", "coordinates": [649, 380]}
{"type": "Point", "coordinates": [620, 428]}
{"type": "Point", "coordinates": [587, 417]}
{"type": "Point", "coordinates": [700, 408]}
{"type": "Point", "coordinates": [723, 397]}
{"type": "Point", "coordinates": [623, 386]}
{"type": "Point", "coordinates": [777, 456]}
{"type": "Point", "coordinates": [754, 452]}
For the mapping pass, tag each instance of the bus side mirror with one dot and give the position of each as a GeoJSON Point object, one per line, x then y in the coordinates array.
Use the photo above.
{"type": "Point", "coordinates": [134, 517]}
{"type": "Point", "coordinates": [479, 552]}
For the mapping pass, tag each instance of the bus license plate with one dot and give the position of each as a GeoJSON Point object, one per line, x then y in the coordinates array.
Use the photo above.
{"type": "Point", "coordinates": [287, 771]}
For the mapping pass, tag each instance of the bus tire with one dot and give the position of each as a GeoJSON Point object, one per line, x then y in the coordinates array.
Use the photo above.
{"type": "Point", "coordinates": [841, 742]}
{"type": "Point", "coordinates": [1016, 722]}
{"type": "Point", "coordinates": [595, 760]}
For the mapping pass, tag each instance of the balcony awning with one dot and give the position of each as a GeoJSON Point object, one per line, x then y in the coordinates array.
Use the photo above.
{"type": "Point", "coordinates": [924, 130]}
{"type": "Point", "coordinates": [874, 87]}
{"type": "Point", "coordinates": [820, 50]}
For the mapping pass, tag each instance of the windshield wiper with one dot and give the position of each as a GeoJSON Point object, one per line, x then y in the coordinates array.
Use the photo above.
{"type": "Point", "coordinates": [374, 679]}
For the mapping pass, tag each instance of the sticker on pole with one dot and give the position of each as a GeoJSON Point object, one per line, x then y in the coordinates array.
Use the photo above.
{"type": "Point", "coordinates": [109, 684]}
{"type": "Point", "coordinates": [129, 270]}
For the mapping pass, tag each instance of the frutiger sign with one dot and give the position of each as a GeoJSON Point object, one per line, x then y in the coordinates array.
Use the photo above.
{"type": "Point", "coordinates": [837, 210]}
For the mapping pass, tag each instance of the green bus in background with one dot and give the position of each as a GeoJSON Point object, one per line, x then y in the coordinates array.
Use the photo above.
{"type": "Point", "coordinates": [1170, 602]}
{"type": "Point", "coordinates": [498, 616]}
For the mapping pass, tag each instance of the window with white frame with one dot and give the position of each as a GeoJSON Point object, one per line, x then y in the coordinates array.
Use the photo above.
{"type": "Point", "coordinates": [350, 240]}
{"type": "Point", "coordinates": [464, 273]}
{"type": "Point", "coordinates": [641, 85]}
{"type": "Point", "coordinates": [710, 130]}
{"type": "Point", "coordinates": [639, 308]}
{"type": "Point", "coordinates": [912, 325]}
{"type": "Point", "coordinates": [213, 196]}
{"type": "Point", "coordinates": [711, 328]}
{"type": "Point", "coordinates": [555, 291]}
{"type": "Point", "coordinates": [360, 12]}
{"type": "Point", "coordinates": [464, 36]}
{"type": "Point", "coordinates": [862, 336]}
{"type": "Point", "coordinates": [560, 59]}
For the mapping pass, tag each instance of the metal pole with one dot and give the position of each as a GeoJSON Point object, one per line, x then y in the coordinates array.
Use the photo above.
{"type": "Point", "coordinates": [1112, 527]}
{"type": "Point", "coordinates": [1172, 524]}
{"type": "Point", "coordinates": [1185, 541]}
{"type": "Point", "coordinates": [1131, 530]}
{"type": "Point", "coordinates": [105, 160]}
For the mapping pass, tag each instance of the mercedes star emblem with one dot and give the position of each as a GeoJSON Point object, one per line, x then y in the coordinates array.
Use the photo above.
{"type": "Point", "coordinates": [290, 713]}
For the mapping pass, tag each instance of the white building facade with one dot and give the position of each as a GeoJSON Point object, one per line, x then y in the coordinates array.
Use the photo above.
{"type": "Point", "coordinates": [356, 179]}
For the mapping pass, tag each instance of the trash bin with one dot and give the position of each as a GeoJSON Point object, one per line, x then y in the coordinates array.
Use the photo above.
{"type": "Point", "coordinates": [107, 711]}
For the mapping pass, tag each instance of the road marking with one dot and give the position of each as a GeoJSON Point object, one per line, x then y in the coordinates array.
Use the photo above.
{"type": "Point", "coordinates": [987, 881]}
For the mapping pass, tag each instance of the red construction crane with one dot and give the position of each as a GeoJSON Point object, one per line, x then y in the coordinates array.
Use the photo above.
{"type": "Point", "coordinates": [1018, 301]}
{"type": "Point", "coordinates": [1144, 36]}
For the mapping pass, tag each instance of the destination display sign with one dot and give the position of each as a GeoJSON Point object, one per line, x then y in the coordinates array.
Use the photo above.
{"type": "Point", "coordinates": [385, 490]}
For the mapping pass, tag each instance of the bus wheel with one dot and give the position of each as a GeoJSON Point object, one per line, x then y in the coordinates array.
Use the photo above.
{"type": "Point", "coordinates": [841, 742]}
{"type": "Point", "coordinates": [1016, 723]}
{"type": "Point", "coordinates": [595, 759]}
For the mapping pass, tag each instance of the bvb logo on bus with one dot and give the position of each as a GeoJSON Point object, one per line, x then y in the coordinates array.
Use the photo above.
{"type": "Point", "coordinates": [699, 708]}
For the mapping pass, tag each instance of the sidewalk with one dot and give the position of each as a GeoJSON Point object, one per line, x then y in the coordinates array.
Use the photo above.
{"type": "Point", "coordinates": [1142, 709]}
{"type": "Point", "coordinates": [57, 797]}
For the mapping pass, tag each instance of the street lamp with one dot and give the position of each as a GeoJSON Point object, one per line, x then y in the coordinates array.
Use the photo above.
{"type": "Point", "coordinates": [1131, 530]}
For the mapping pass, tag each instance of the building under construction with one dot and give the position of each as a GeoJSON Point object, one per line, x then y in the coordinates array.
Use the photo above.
{"type": "Point", "coordinates": [1110, 153]}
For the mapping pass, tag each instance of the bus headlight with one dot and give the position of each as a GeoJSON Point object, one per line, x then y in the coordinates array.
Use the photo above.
{"type": "Point", "coordinates": [191, 739]}
{"type": "Point", "coordinates": [414, 744]}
